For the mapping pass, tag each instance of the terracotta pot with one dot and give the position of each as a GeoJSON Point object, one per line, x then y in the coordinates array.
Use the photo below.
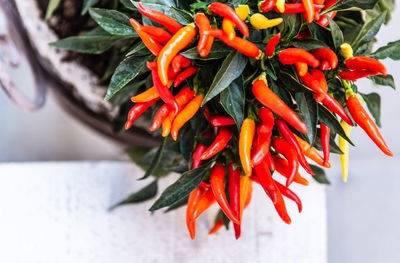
{"type": "Point", "coordinates": [75, 86]}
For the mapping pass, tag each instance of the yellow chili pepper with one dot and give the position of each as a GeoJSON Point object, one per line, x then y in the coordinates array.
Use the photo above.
{"type": "Point", "coordinates": [166, 125]}
{"type": "Point", "coordinates": [347, 51]}
{"type": "Point", "coordinates": [344, 147]}
{"type": "Point", "coordinates": [259, 21]}
{"type": "Point", "coordinates": [242, 11]}
{"type": "Point", "coordinates": [246, 137]}
{"type": "Point", "coordinates": [229, 27]}
{"type": "Point", "coordinates": [280, 5]}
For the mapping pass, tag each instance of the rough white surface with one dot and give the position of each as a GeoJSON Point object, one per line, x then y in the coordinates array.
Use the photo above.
{"type": "Point", "coordinates": [57, 212]}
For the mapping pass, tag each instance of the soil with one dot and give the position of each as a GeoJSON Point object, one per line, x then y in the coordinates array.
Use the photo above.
{"type": "Point", "coordinates": [67, 21]}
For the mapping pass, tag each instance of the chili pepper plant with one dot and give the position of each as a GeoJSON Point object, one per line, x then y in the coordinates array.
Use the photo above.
{"type": "Point", "coordinates": [241, 94]}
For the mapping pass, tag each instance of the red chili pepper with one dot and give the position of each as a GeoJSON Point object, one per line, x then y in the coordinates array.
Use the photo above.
{"type": "Point", "coordinates": [324, 65]}
{"type": "Point", "coordinates": [287, 134]}
{"type": "Point", "coordinates": [181, 98]}
{"type": "Point", "coordinates": [265, 179]}
{"type": "Point", "coordinates": [270, 47]}
{"type": "Point", "coordinates": [147, 40]}
{"type": "Point", "coordinates": [193, 200]}
{"type": "Point", "coordinates": [266, 5]}
{"type": "Point", "coordinates": [325, 137]}
{"type": "Point", "coordinates": [220, 121]}
{"type": "Point", "coordinates": [234, 195]}
{"type": "Point", "coordinates": [334, 106]}
{"type": "Point", "coordinates": [157, 33]}
{"type": "Point", "coordinates": [220, 142]}
{"type": "Point", "coordinates": [198, 151]}
{"type": "Point", "coordinates": [205, 185]}
{"type": "Point", "coordinates": [217, 226]}
{"type": "Point", "coordinates": [297, 8]}
{"type": "Point", "coordinates": [185, 74]}
{"type": "Point", "coordinates": [313, 84]}
{"type": "Point", "coordinates": [361, 117]}
{"type": "Point", "coordinates": [289, 152]}
{"type": "Point", "coordinates": [179, 62]}
{"type": "Point", "coordinates": [164, 92]}
{"type": "Point", "coordinates": [283, 167]}
{"type": "Point", "coordinates": [178, 42]}
{"type": "Point", "coordinates": [319, 76]}
{"type": "Point", "coordinates": [160, 18]}
{"type": "Point", "coordinates": [289, 194]}
{"type": "Point", "coordinates": [206, 200]}
{"type": "Point", "coordinates": [302, 68]}
{"type": "Point", "coordinates": [294, 55]}
{"type": "Point", "coordinates": [217, 180]}
{"type": "Point", "coordinates": [326, 54]}
{"type": "Point", "coordinates": [270, 162]}
{"type": "Point", "coordinates": [228, 12]}
{"type": "Point", "coordinates": [303, 34]}
{"type": "Point", "coordinates": [356, 74]}
{"type": "Point", "coordinates": [242, 45]}
{"type": "Point", "coordinates": [263, 141]}
{"type": "Point", "coordinates": [270, 100]}
{"type": "Point", "coordinates": [323, 21]}
{"type": "Point", "coordinates": [136, 111]}
{"type": "Point", "coordinates": [206, 50]}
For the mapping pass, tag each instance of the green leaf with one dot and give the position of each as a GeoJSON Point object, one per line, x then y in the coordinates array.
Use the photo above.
{"type": "Point", "coordinates": [88, 4]}
{"type": "Point", "coordinates": [308, 114]}
{"type": "Point", "coordinates": [128, 5]}
{"type": "Point", "coordinates": [125, 72]}
{"type": "Point", "coordinates": [219, 50]}
{"type": "Point", "coordinates": [344, 5]}
{"type": "Point", "coordinates": [336, 32]}
{"type": "Point", "coordinates": [51, 7]}
{"type": "Point", "coordinates": [319, 175]}
{"type": "Point", "coordinates": [92, 44]}
{"type": "Point", "coordinates": [156, 160]}
{"type": "Point", "coordinates": [231, 68]}
{"type": "Point", "coordinates": [186, 143]}
{"type": "Point", "coordinates": [288, 81]}
{"type": "Point", "coordinates": [391, 50]}
{"type": "Point", "coordinates": [233, 99]}
{"type": "Point", "coordinates": [383, 80]}
{"type": "Point", "coordinates": [309, 44]}
{"type": "Point", "coordinates": [112, 21]}
{"type": "Point", "coordinates": [327, 118]}
{"type": "Point", "coordinates": [182, 187]}
{"type": "Point", "coordinates": [177, 205]}
{"type": "Point", "coordinates": [368, 31]}
{"type": "Point", "coordinates": [373, 101]}
{"type": "Point", "coordinates": [142, 195]}
{"type": "Point", "coordinates": [290, 27]}
{"type": "Point", "coordinates": [138, 48]}
{"type": "Point", "coordinates": [181, 16]}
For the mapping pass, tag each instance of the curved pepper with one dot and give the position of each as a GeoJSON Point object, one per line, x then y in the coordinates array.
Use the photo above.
{"type": "Point", "coordinates": [325, 138]}
{"type": "Point", "coordinates": [193, 200]}
{"type": "Point", "coordinates": [344, 147]}
{"type": "Point", "coordinates": [283, 168]}
{"type": "Point", "coordinates": [198, 151]}
{"type": "Point", "coordinates": [179, 62]}
{"type": "Point", "coordinates": [261, 147]}
{"type": "Point", "coordinates": [164, 92]}
{"type": "Point", "coordinates": [287, 134]}
{"type": "Point", "coordinates": [284, 148]}
{"type": "Point", "coordinates": [203, 24]}
{"type": "Point", "coordinates": [294, 55]}
{"type": "Point", "coordinates": [245, 193]}
{"type": "Point", "coordinates": [270, 47]}
{"type": "Point", "coordinates": [356, 74]}
{"type": "Point", "coordinates": [136, 111]}
{"type": "Point", "coordinates": [179, 41]}
{"type": "Point", "coordinates": [217, 226]}
{"type": "Point", "coordinates": [361, 117]}
{"type": "Point", "coordinates": [259, 21]}
{"type": "Point", "coordinates": [228, 12]}
{"type": "Point", "coordinates": [160, 18]}
{"type": "Point", "coordinates": [266, 5]}
{"type": "Point", "coordinates": [324, 65]}
{"type": "Point", "coordinates": [234, 195]}
{"type": "Point", "coordinates": [147, 95]}
{"type": "Point", "coordinates": [185, 74]}
{"type": "Point", "coordinates": [220, 142]}
{"type": "Point", "coordinates": [242, 45]}
{"type": "Point", "coordinates": [157, 33]}
{"type": "Point", "coordinates": [320, 77]}
{"type": "Point", "coordinates": [217, 181]}
{"type": "Point", "coordinates": [147, 40]}
{"type": "Point", "coordinates": [365, 63]}
{"type": "Point", "coordinates": [265, 179]}
{"type": "Point", "coordinates": [326, 54]}
{"type": "Point", "coordinates": [313, 84]}
{"type": "Point", "coordinates": [270, 162]}
{"type": "Point", "coordinates": [334, 106]}
{"type": "Point", "coordinates": [246, 136]}
{"type": "Point", "coordinates": [311, 152]}
{"type": "Point", "coordinates": [309, 10]}
{"type": "Point", "coordinates": [289, 194]}
{"type": "Point", "coordinates": [270, 100]}
{"type": "Point", "coordinates": [186, 114]}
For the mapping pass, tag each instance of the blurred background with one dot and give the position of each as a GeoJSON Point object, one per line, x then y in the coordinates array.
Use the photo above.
{"type": "Point", "coordinates": [362, 214]}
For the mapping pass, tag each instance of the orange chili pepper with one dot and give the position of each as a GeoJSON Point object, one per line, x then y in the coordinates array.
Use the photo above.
{"type": "Point", "coordinates": [246, 137]}
{"type": "Point", "coordinates": [166, 125]}
{"type": "Point", "coordinates": [310, 11]}
{"type": "Point", "coordinates": [217, 226]}
{"type": "Point", "coordinates": [145, 96]}
{"type": "Point", "coordinates": [149, 42]}
{"type": "Point", "coordinates": [206, 200]}
{"type": "Point", "coordinates": [229, 28]}
{"type": "Point", "coordinates": [311, 153]}
{"type": "Point", "coordinates": [245, 188]}
{"type": "Point", "coordinates": [302, 68]}
{"type": "Point", "coordinates": [179, 41]}
{"type": "Point", "coordinates": [194, 198]}
{"type": "Point", "coordinates": [186, 114]}
{"type": "Point", "coordinates": [282, 167]}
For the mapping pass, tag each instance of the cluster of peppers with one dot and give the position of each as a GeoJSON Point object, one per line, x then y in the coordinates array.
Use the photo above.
{"type": "Point", "coordinates": [266, 141]}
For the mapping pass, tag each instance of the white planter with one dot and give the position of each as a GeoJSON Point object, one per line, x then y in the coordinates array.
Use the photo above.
{"type": "Point", "coordinates": [57, 212]}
